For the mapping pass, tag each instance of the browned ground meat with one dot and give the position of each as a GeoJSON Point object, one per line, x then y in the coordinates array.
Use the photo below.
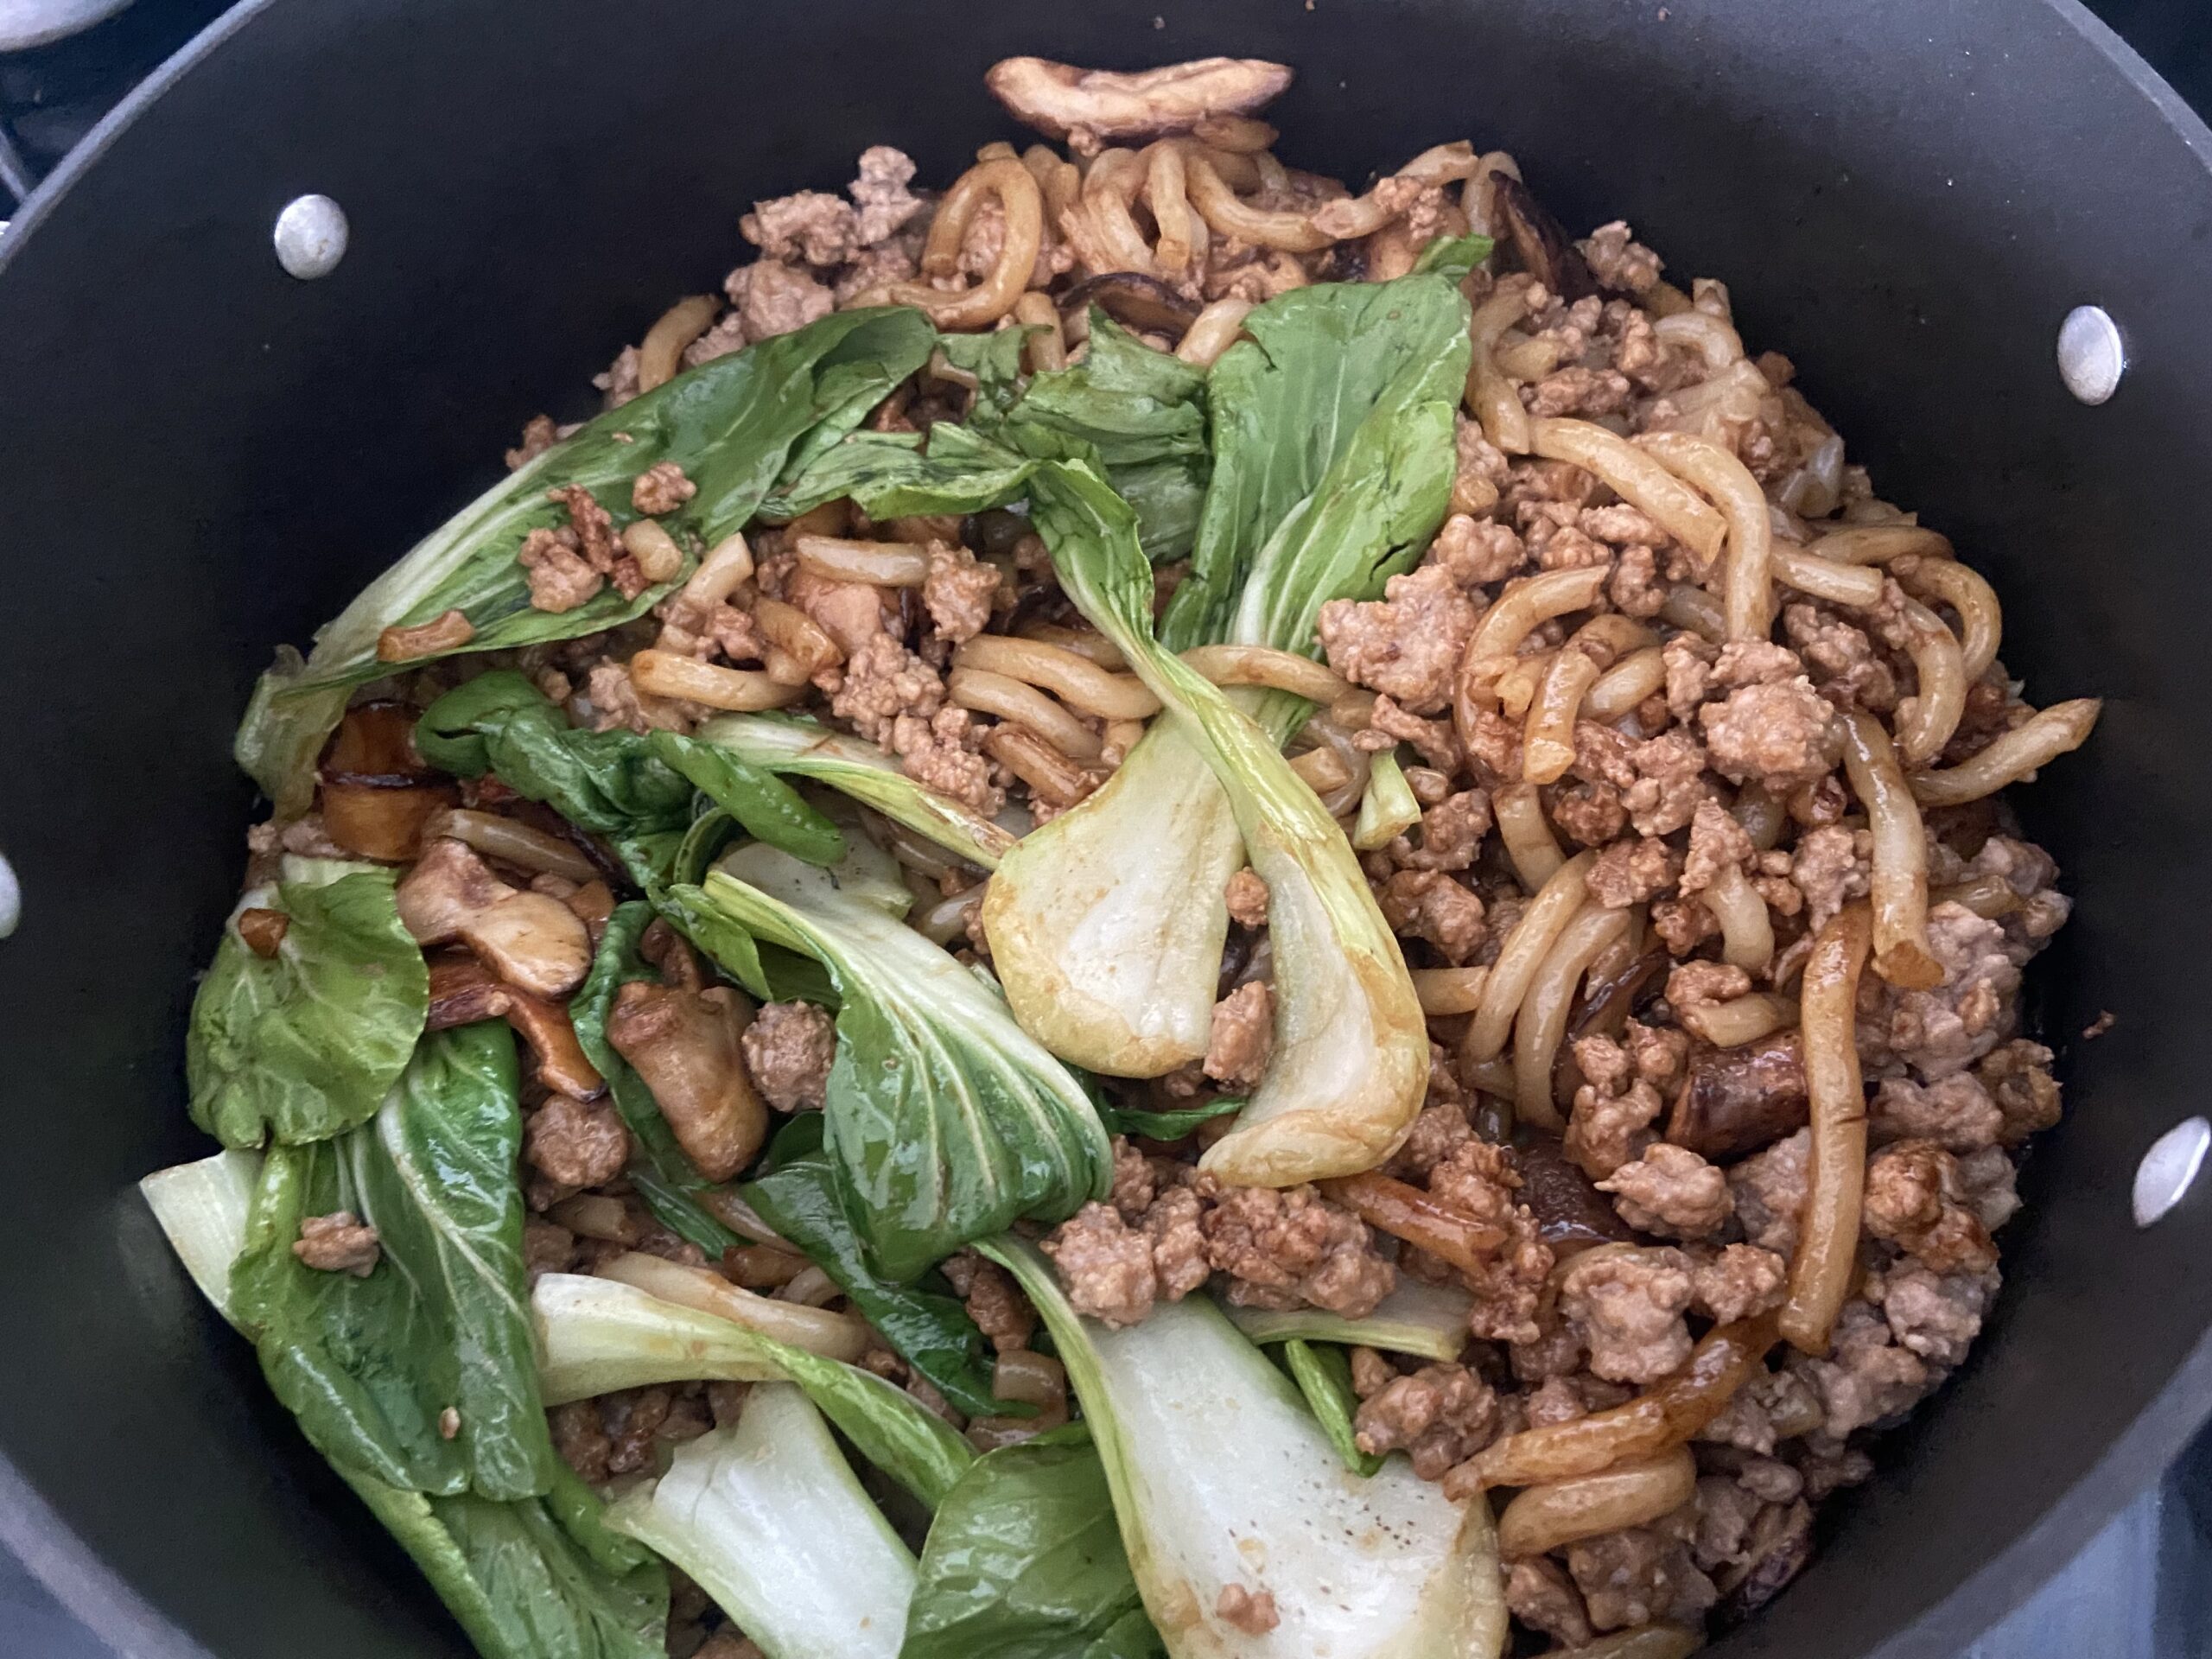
{"type": "Point", "coordinates": [1627, 1307]}
{"type": "Point", "coordinates": [994, 1301]}
{"type": "Point", "coordinates": [1281, 1249]}
{"type": "Point", "coordinates": [575, 1142]}
{"type": "Point", "coordinates": [338, 1243]}
{"type": "Point", "coordinates": [1440, 1415]}
{"type": "Point", "coordinates": [1247, 898]}
{"type": "Point", "coordinates": [1243, 1036]}
{"type": "Point", "coordinates": [789, 1049]}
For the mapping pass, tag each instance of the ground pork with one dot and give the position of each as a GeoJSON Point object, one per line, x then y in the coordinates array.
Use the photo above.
{"type": "Point", "coordinates": [1434, 740]}
{"type": "Point", "coordinates": [1840, 659]}
{"type": "Point", "coordinates": [809, 228]}
{"type": "Point", "coordinates": [1781, 735]}
{"type": "Point", "coordinates": [1246, 895]}
{"type": "Point", "coordinates": [1718, 843]}
{"type": "Point", "coordinates": [580, 1436]}
{"type": "Point", "coordinates": [1936, 1315]}
{"type": "Point", "coordinates": [1692, 983]}
{"type": "Point", "coordinates": [1632, 872]}
{"type": "Point", "coordinates": [1241, 1037]}
{"type": "Point", "coordinates": [1771, 1408]}
{"type": "Point", "coordinates": [1475, 552]}
{"type": "Point", "coordinates": [958, 592]}
{"type": "Point", "coordinates": [1409, 643]}
{"type": "Point", "coordinates": [2018, 1076]}
{"type": "Point", "coordinates": [1669, 782]}
{"type": "Point", "coordinates": [1104, 1265]}
{"type": "Point", "coordinates": [1689, 662]}
{"type": "Point", "coordinates": [1452, 832]}
{"type": "Point", "coordinates": [1539, 1593]}
{"type": "Point", "coordinates": [1429, 905]}
{"type": "Point", "coordinates": [882, 681]}
{"type": "Point", "coordinates": [1914, 1199]}
{"type": "Point", "coordinates": [337, 1242]}
{"type": "Point", "coordinates": [1477, 1178]}
{"type": "Point", "coordinates": [662, 488]}
{"type": "Point", "coordinates": [937, 753]}
{"type": "Point", "coordinates": [1441, 1415]}
{"type": "Point", "coordinates": [1956, 1113]}
{"type": "Point", "coordinates": [1627, 1307]}
{"type": "Point", "coordinates": [774, 298]}
{"type": "Point", "coordinates": [1944, 1031]}
{"type": "Point", "coordinates": [993, 1301]}
{"type": "Point", "coordinates": [1637, 1575]}
{"type": "Point", "coordinates": [1606, 1129]}
{"type": "Point", "coordinates": [615, 702]}
{"type": "Point", "coordinates": [1619, 261]}
{"type": "Point", "coordinates": [560, 577]}
{"type": "Point", "coordinates": [1671, 1191]}
{"type": "Point", "coordinates": [575, 1142]}
{"type": "Point", "coordinates": [1736, 1281]}
{"type": "Point", "coordinates": [1866, 1376]}
{"type": "Point", "coordinates": [1770, 1191]}
{"type": "Point", "coordinates": [1831, 867]}
{"type": "Point", "coordinates": [1439, 1130]}
{"type": "Point", "coordinates": [1283, 1248]}
{"type": "Point", "coordinates": [789, 1049]}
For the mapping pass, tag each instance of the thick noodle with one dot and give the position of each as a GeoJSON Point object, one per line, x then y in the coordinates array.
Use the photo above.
{"type": "Point", "coordinates": [1747, 594]}
{"type": "Point", "coordinates": [1898, 882]}
{"type": "Point", "coordinates": [2059, 729]}
{"type": "Point", "coordinates": [1827, 1244]}
{"type": "Point", "coordinates": [1638, 479]}
{"type": "Point", "coordinates": [1522, 954]}
{"type": "Point", "coordinates": [1542, 1022]}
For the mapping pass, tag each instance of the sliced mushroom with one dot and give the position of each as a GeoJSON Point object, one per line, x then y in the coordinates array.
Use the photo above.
{"type": "Point", "coordinates": [1135, 301]}
{"type": "Point", "coordinates": [1541, 241]}
{"type": "Point", "coordinates": [1738, 1100]}
{"type": "Point", "coordinates": [376, 795]}
{"type": "Point", "coordinates": [1085, 105]}
{"type": "Point", "coordinates": [685, 1045]}
{"type": "Point", "coordinates": [463, 991]}
{"type": "Point", "coordinates": [1571, 1214]}
{"type": "Point", "coordinates": [532, 940]}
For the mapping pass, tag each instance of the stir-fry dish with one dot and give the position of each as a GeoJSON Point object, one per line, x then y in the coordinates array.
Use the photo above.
{"type": "Point", "coordinates": [1155, 908]}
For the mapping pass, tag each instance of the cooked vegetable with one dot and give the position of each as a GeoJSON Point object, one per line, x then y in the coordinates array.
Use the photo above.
{"type": "Point", "coordinates": [203, 1207]}
{"type": "Point", "coordinates": [945, 1119]}
{"type": "Point", "coordinates": [304, 1044]}
{"type": "Point", "coordinates": [1430, 1320]}
{"type": "Point", "coordinates": [599, 1335]}
{"type": "Point", "coordinates": [768, 1518]}
{"type": "Point", "coordinates": [1165, 1126]}
{"type": "Point", "coordinates": [782, 744]}
{"type": "Point", "coordinates": [770, 809]}
{"type": "Point", "coordinates": [1385, 1567]}
{"type": "Point", "coordinates": [1324, 1377]}
{"type": "Point", "coordinates": [1387, 809]}
{"type": "Point", "coordinates": [369, 1363]}
{"type": "Point", "coordinates": [734, 425]}
{"type": "Point", "coordinates": [1024, 1561]}
{"type": "Point", "coordinates": [1545, 1518]}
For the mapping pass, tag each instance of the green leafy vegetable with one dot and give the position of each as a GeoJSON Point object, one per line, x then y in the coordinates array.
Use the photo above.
{"type": "Point", "coordinates": [769, 1519]}
{"type": "Point", "coordinates": [946, 1121]}
{"type": "Point", "coordinates": [368, 1364]}
{"type": "Point", "coordinates": [1388, 810]}
{"type": "Point", "coordinates": [930, 1330]}
{"type": "Point", "coordinates": [1430, 1320]}
{"type": "Point", "coordinates": [1024, 1561]}
{"type": "Point", "coordinates": [1324, 1377]}
{"type": "Point", "coordinates": [664, 1178]}
{"type": "Point", "coordinates": [802, 749]}
{"type": "Point", "coordinates": [1165, 1126]}
{"type": "Point", "coordinates": [1352, 1045]}
{"type": "Point", "coordinates": [1221, 1476]}
{"type": "Point", "coordinates": [769, 808]}
{"type": "Point", "coordinates": [734, 425]}
{"type": "Point", "coordinates": [598, 1336]}
{"type": "Point", "coordinates": [611, 783]}
{"type": "Point", "coordinates": [304, 1044]}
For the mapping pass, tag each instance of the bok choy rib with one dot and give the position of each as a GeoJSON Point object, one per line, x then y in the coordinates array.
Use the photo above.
{"type": "Point", "coordinates": [946, 1121]}
{"type": "Point", "coordinates": [768, 1517]}
{"type": "Point", "coordinates": [1333, 466]}
{"type": "Point", "coordinates": [1352, 1045]}
{"type": "Point", "coordinates": [1430, 1320]}
{"type": "Point", "coordinates": [734, 425]}
{"type": "Point", "coordinates": [1222, 1478]}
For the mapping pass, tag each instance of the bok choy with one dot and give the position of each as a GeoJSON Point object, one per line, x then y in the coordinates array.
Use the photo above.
{"type": "Point", "coordinates": [1222, 1478]}
{"type": "Point", "coordinates": [734, 425]}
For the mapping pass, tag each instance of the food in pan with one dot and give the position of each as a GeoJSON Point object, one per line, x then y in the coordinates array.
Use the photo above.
{"type": "Point", "coordinates": [1153, 908]}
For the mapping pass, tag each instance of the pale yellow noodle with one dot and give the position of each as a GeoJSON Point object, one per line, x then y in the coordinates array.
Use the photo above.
{"type": "Point", "coordinates": [1879, 543]}
{"type": "Point", "coordinates": [1241, 134]}
{"type": "Point", "coordinates": [740, 691]}
{"type": "Point", "coordinates": [1279, 671]}
{"type": "Point", "coordinates": [1478, 199]}
{"type": "Point", "coordinates": [1639, 674]}
{"type": "Point", "coordinates": [887, 564]}
{"type": "Point", "coordinates": [658, 555]}
{"type": "Point", "coordinates": [2059, 729]}
{"type": "Point", "coordinates": [1213, 331]}
{"type": "Point", "coordinates": [1324, 770]}
{"type": "Point", "coordinates": [1520, 679]}
{"type": "Point", "coordinates": [1228, 216]}
{"type": "Point", "coordinates": [1694, 609]}
{"type": "Point", "coordinates": [1445, 991]}
{"type": "Point", "coordinates": [1607, 638]}
{"type": "Point", "coordinates": [1829, 579]}
{"type": "Point", "coordinates": [1047, 349]}
{"type": "Point", "coordinates": [1898, 882]}
{"type": "Point", "coordinates": [1738, 1020]}
{"type": "Point", "coordinates": [660, 354]}
{"type": "Point", "coordinates": [1747, 596]}
{"type": "Point", "coordinates": [1560, 1512]}
{"type": "Point", "coordinates": [1826, 1260]}
{"type": "Point", "coordinates": [1365, 215]}
{"type": "Point", "coordinates": [1541, 1022]}
{"type": "Point", "coordinates": [1091, 647]}
{"type": "Point", "coordinates": [1078, 682]}
{"type": "Point", "coordinates": [1024, 705]}
{"type": "Point", "coordinates": [1721, 346]}
{"type": "Point", "coordinates": [992, 297]}
{"type": "Point", "coordinates": [1051, 775]}
{"type": "Point", "coordinates": [727, 566]}
{"type": "Point", "coordinates": [1925, 720]}
{"type": "Point", "coordinates": [1490, 397]}
{"type": "Point", "coordinates": [1528, 837]}
{"type": "Point", "coordinates": [1519, 611]}
{"type": "Point", "coordinates": [1746, 930]}
{"type": "Point", "coordinates": [1548, 745]}
{"type": "Point", "coordinates": [1637, 477]}
{"type": "Point", "coordinates": [1171, 208]}
{"type": "Point", "coordinates": [1981, 618]}
{"type": "Point", "coordinates": [1761, 814]}
{"type": "Point", "coordinates": [1522, 954]}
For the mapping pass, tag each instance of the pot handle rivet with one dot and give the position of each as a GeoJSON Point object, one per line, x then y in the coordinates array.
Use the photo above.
{"type": "Point", "coordinates": [11, 897]}
{"type": "Point", "coordinates": [2091, 354]}
{"type": "Point", "coordinates": [310, 237]}
{"type": "Point", "coordinates": [2169, 1167]}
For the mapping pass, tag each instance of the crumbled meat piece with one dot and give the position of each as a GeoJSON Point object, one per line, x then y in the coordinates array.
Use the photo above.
{"type": "Point", "coordinates": [1956, 1113]}
{"type": "Point", "coordinates": [1840, 658]}
{"type": "Point", "coordinates": [1632, 872]}
{"type": "Point", "coordinates": [1936, 1315]}
{"type": "Point", "coordinates": [1429, 905]}
{"type": "Point", "coordinates": [1913, 1199]}
{"type": "Point", "coordinates": [1539, 1593]}
{"type": "Point", "coordinates": [1134, 1185]}
{"type": "Point", "coordinates": [1606, 1130]}
{"type": "Point", "coordinates": [560, 578]}
{"type": "Point", "coordinates": [1831, 870]}
{"type": "Point", "coordinates": [1475, 552]}
{"type": "Point", "coordinates": [1432, 740]}
{"type": "Point", "coordinates": [1670, 781]}
{"type": "Point", "coordinates": [886, 202]}
{"type": "Point", "coordinates": [615, 702]}
{"type": "Point", "coordinates": [1943, 1031]}
{"type": "Point", "coordinates": [1682, 925]}
{"type": "Point", "coordinates": [580, 1436]}
{"type": "Point", "coordinates": [1178, 1244]}
{"type": "Point", "coordinates": [1477, 1177]}
{"type": "Point", "coordinates": [1371, 1372]}
{"type": "Point", "coordinates": [884, 680]}
{"type": "Point", "coordinates": [1627, 1307]}
{"type": "Point", "coordinates": [1770, 1188]}
{"type": "Point", "coordinates": [1252, 1611]}
{"type": "Point", "coordinates": [993, 1301]}
{"type": "Point", "coordinates": [1247, 898]}
{"type": "Point", "coordinates": [958, 592]}
{"type": "Point", "coordinates": [935, 754]}
{"type": "Point", "coordinates": [2018, 1076]}
{"type": "Point", "coordinates": [1637, 1575]}
{"type": "Point", "coordinates": [662, 488]}
{"type": "Point", "coordinates": [636, 1421]}
{"type": "Point", "coordinates": [539, 434]}
{"type": "Point", "coordinates": [773, 298]}
{"type": "Point", "coordinates": [1737, 1283]}
{"type": "Point", "coordinates": [1555, 1400]}
{"type": "Point", "coordinates": [1754, 662]}
{"type": "Point", "coordinates": [1824, 1471]}
{"type": "Point", "coordinates": [1241, 1037]}
{"type": "Point", "coordinates": [1635, 588]}
{"type": "Point", "coordinates": [1694, 982]}
{"type": "Point", "coordinates": [1773, 1407]}
{"type": "Point", "coordinates": [1726, 1511]}
{"type": "Point", "coordinates": [546, 1248]}
{"type": "Point", "coordinates": [620, 382]}
{"type": "Point", "coordinates": [1671, 1191]}
{"type": "Point", "coordinates": [1441, 1415]}
{"type": "Point", "coordinates": [1409, 643]}
{"type": "Point", "coordinates": [789, 1049]}
{"type": "Point", "coordinates": [727, 335]}
{"type": "Point", "coordinates": [1689, 673]}
{"type": "Point", "coordinates": [1282, 1247]}
{"type": "Point", "coordinates": [1717, 843]}
{"type": "Point", "coordinates": [1579, 392]}
{"type": "Point", "coordinates": [850, 612]}
{"type": "Point", "coordinates": [1783, 734]}
{"type": "Point", "coordinates": [1660, 1052]}
{"type": "Point", "coordinates": [1452, 833]}
{"type": "Point", "coordinates": [337, 1242]}
{"type": "Point", "coordinates": [1105, 1267]}
{"type": "Point", "coordinates": [810, 228]}
{"type": "Point", "coordinates": [1617, 260]}
{"type": "Point", "coordinates": [1588, 814]}
{"type": "Point", "coordinates": [1866, 1376]}
{"type": "Point", "coordinates": [1440, 1130]}
{"type": "Point", "coordinates": [575, 1142]}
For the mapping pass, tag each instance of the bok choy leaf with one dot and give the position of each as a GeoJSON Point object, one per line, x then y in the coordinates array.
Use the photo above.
{"type": "Point", "coordinates": [1430, 1320]}
{"type": "Point", "coordinates": [769, 1519]}
{"type": "Point", "coordinates": [304, 1044]}
{"type": "Point", "coordinates": [945, 1119]}
{"type": "Point", "coordinates": [1351, 1044]}
{"type": "Point", "coordinates": [1222, 1477]}
{"type": "Point", "coordinates": [1324, 1377]}
{"type": "Point", "coordinates": [734, 425]}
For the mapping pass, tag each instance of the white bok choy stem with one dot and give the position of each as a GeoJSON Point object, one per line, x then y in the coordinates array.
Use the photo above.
{"type": "Point", "coordinates": [1222, 1477]}
{"type": "Point", "coordinates": [1430, 1320]}
{"type": "Point", "coordinates": [769, 1519]}
{"type": "Point", "coordinates": [1351, 1044]}
{"type": "Point", "coordinates": [202, 1207]}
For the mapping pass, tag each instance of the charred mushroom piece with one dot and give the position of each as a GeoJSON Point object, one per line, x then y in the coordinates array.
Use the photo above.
{"type": "Point", "coordinates": [1738, 1100]}
{"type": "Point", "coordinates": [1541, 242]}
{"type": "Point", "coordinates": [1089, 105]}
{"type": "Point", "coordinates": [376, 795]}
{"type": "Point", "coordinates": [1134, 301]}
{"type": "Point", "coordinates": [1607, 1006]}
{"type": "Point", "coordinates": [685, 1044]}
{"type": "Point", "coordinates": [264, 930]}
{"type": "Point", "coordinates": [1571, 1214]}
{"type": "Point", "coordinates": [1781, 1543]}
{"type": "Point", "coordinates": [464, 991]}
{"type": "Point", "coordinates": [532, 940]}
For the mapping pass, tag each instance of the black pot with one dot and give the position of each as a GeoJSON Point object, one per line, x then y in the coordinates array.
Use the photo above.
{"type": "Point", "coordinates": [201, 457]}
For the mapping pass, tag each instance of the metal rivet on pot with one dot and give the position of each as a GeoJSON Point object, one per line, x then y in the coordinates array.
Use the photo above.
{"type": "Point", "coordinates": [2167, 1169]}
{"type": "Point", "coordinates": [311, 237]}
{"type": "Point", "coordinates": [12, 899]}
{"type": "Point", "coordinates": [2091, 354]}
